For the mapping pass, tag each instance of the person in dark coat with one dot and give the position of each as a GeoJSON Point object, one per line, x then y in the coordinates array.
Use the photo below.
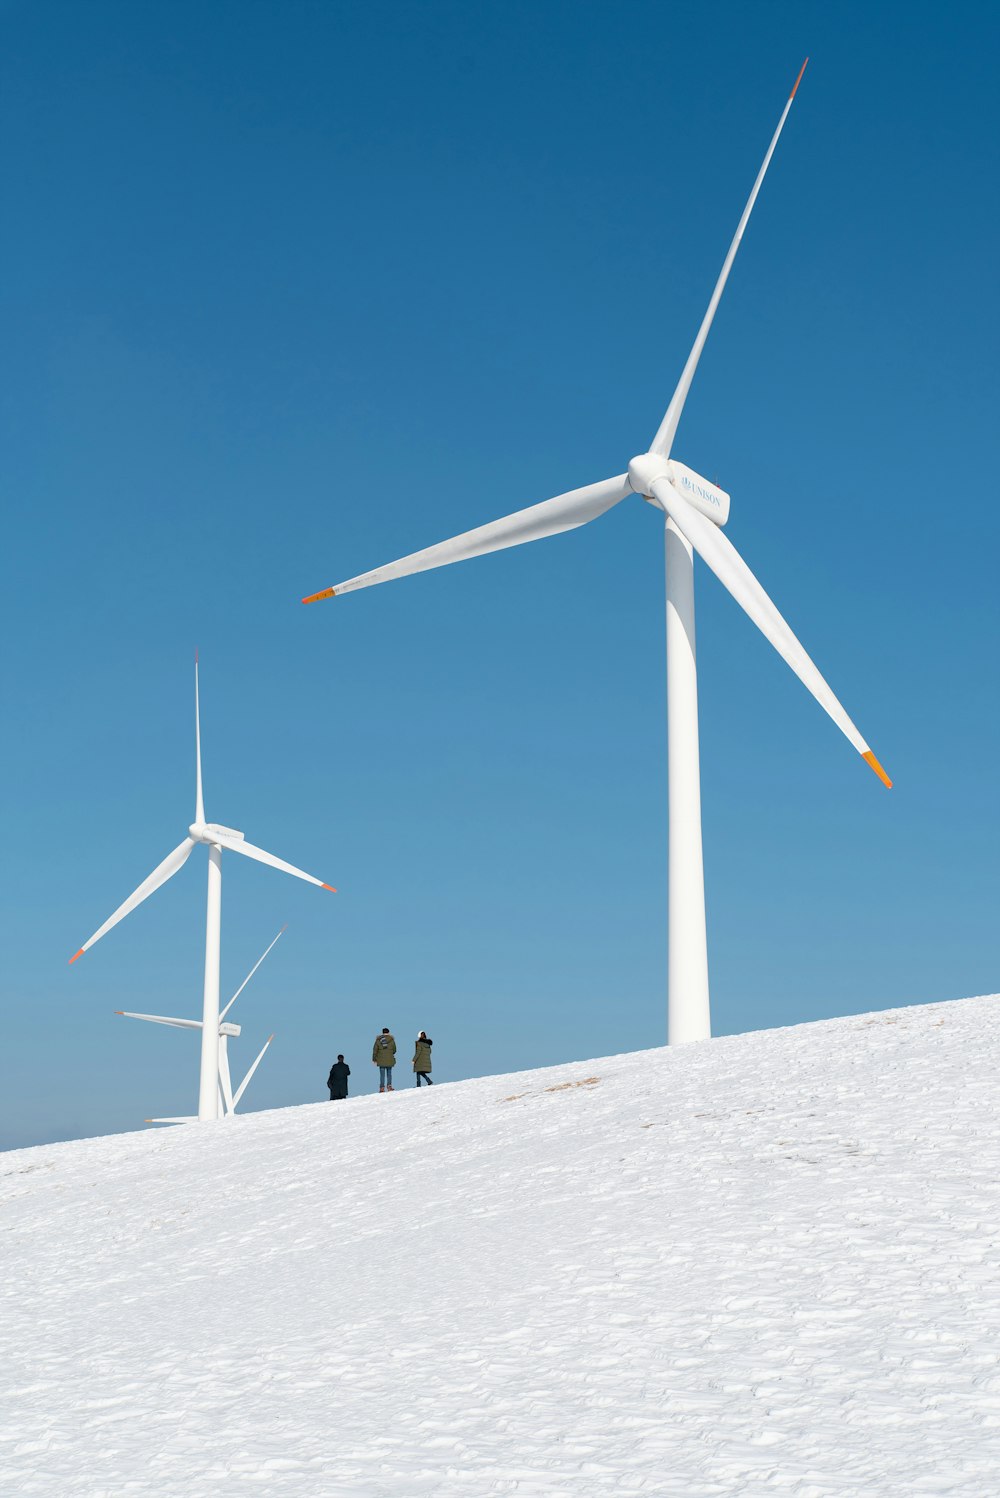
{"type": "Point", "coordinates": [337, 1080]}
{"type": "Point", "coordinates": [422, 1059]}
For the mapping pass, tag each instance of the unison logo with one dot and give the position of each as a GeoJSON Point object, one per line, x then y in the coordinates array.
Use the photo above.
{"type": "Point", "coordinates": [713, 499]}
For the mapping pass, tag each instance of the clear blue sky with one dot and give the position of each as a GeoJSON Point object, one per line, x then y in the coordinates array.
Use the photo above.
{"type": "Point", "coordinates": [292, 289]}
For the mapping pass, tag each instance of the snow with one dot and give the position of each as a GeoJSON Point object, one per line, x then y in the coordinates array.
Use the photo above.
{"type": "Point", "coordinates": [768, 1264]}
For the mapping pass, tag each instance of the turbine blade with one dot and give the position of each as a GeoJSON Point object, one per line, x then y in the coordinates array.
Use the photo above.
{"type": "Point", "coordinates": [189, 1118]}
{"type": "Point", "coordinates": [715, 548]}
{"type": "Point", "coordinates": [162, 1019]}
{"type": "Point", "coordinates": [240, 845]}
{"type": "Point", "coordinates": [243, 1085]}
{"type": "Point", "coordinates": [663, 441]}
{"type": "Point", "coordinates": [199, 804]}
{"type": "Point", "coordinates": [164, 871]}
{"type": "Point", "coordinates": [225, 1079]}
{"type": "Point", "coordinates": [250, 974]}
{"type": "Point", "coordinates": [550, 518]}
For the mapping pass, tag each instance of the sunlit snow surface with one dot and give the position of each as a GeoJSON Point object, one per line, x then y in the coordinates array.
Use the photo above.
{"type": "Point", "coordinates": [764, 1265]}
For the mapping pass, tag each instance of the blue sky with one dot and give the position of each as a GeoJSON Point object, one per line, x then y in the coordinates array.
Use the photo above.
{"type": "Point", "coordinates": [290, 290]}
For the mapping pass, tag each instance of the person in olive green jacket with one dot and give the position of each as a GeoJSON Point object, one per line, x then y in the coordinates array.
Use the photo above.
{"type": "Point", "coordinates": [384, 1057]}
{"type": "Point", "coordinates": [422, 1059]}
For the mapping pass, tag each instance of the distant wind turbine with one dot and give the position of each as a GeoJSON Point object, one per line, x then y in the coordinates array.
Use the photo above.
{"type": "Point", "coordinates": [694, 510]}
{"type": "Point", "coordinates": [215, 837]}
{"type": "Point", "coordinates": [228, 1099]}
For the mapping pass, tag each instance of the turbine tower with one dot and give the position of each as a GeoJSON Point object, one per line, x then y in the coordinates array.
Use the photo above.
{"type": "Point", "coordinates": [694, 512]}
{"type": "Point", "coordinates": [216, 838]}
{"type": "Point", "coordinates": [228, 1099]}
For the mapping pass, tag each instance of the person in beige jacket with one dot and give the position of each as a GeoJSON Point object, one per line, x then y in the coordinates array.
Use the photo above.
{"type": "Point", "coordinates": [384, 1057]}
{"type": "Point", "coordinates": [422, 1059]}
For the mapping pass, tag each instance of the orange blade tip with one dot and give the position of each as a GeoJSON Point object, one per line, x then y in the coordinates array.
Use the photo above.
{"type": "Point", "coordinates": [330, 888]}
{"type": "Point", "coordinates": [798, 80]}
{"type": "Point", "coordinates": [119, 1011]}
{"type": "Point", "coordinates": [315, 597]}
{"type": "Point", "coordinates": [75, 956]}
{"type": "Point", "coordinates": [870, 759]}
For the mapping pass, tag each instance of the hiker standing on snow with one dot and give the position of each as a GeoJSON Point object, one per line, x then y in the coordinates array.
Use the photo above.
{"type": "Point", "coordinates": [337, 1080]}
{"type": "Point", "coordinates": [422, 1059]}
{"type": "Point", "coordinates": [384, 1057]}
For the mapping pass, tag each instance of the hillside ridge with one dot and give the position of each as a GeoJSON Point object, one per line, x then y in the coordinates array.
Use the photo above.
{"type": "Point", "coordinates": [765, 1263]}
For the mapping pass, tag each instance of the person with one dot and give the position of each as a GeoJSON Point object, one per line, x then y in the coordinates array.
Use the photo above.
{"type": "Point", "coordinates": [422, 1059]}
{"type": "Point", "coordinates": [384, 1057]}
{"type": "Point", "coordinates": [337, 1080]}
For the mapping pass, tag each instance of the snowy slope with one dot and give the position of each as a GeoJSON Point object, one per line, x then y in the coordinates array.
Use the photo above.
{"type": "Point", "coordinates": [764, 1265]}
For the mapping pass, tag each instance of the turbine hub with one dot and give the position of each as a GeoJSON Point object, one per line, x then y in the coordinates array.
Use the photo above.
{"type": "Point", "coordinates": [643, 472]}
{"type": "Point", "coordinates": [207, 832]}
{"type": "Point", "coordinates": [649, 469]}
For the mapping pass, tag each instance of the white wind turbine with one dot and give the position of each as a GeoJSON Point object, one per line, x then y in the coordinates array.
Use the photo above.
{"type": "Point", "coordinates": [228, 1099]}
{"type": "Point", "coordinates": [215, 838]}
{"type": "Point", "coordinates": [694, 510]}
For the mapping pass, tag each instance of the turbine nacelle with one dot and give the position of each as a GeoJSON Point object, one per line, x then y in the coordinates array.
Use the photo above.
{"type": "Point", "coordinates": [709, 499]}
{"type": "Point", "coordinates": [213, 832]}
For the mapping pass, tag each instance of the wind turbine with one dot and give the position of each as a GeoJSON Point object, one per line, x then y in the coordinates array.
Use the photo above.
{"type": "Point", "coordinates": [228, 1100]}
{"type": "Point", "coordinates": [694, 511]}
{"type": "Point", "coordinates": [216, 838]}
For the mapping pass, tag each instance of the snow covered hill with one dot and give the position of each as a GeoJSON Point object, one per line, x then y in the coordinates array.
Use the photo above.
{"type": "Point", "coordinates": [764, 1265]}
